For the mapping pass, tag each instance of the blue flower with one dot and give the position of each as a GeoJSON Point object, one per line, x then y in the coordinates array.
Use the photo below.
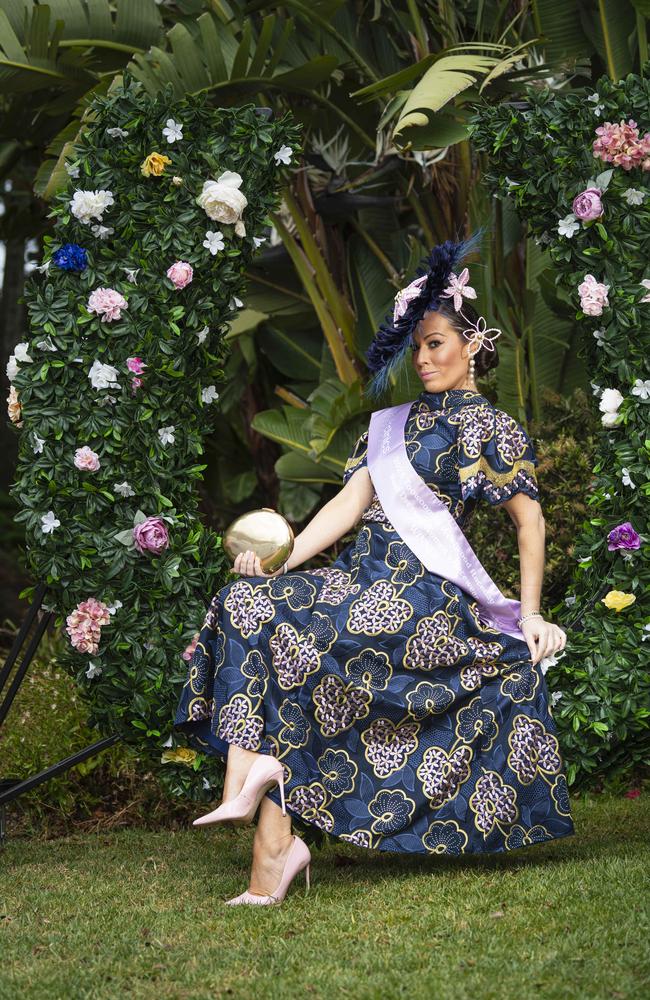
{"type": "Point", "coordinates": [71, 257]}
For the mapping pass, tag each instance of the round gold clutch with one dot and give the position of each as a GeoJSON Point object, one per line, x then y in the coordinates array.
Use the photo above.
{"type": "Point", "coordinates": [265, 532]}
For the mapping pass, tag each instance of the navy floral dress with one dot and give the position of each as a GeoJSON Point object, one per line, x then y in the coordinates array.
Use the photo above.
{"type": "Point", "coordinates": [403, 722]}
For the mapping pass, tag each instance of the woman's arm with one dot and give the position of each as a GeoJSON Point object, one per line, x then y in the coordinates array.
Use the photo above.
{"type": "Point", "coordinates": [334, 519]}
{"type": "Point", "coordinates": [543, 638]}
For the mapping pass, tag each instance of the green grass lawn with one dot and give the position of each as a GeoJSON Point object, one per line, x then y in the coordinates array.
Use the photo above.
{"type": "Point", "coordinates": [135, 913]}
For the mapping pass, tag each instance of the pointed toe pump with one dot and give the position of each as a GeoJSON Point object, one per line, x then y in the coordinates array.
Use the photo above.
{"type": "Point", "coordinates": [298, 858]}
{"type": "Point", "coordinates": [263, 775]}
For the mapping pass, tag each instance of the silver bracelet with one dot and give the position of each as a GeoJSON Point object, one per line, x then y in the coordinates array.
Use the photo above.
{"type": "Point", "coordinates": [531, 614]}
{"type": "Point", "coordinates": [285, 567]}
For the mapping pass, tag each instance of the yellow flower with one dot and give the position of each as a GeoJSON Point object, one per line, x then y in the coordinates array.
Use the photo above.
{"type": "Point", "coordinates": [618, 599]}
{"type": "Point", "coordinates": [154, 164]}
{"type": "Point", "coordinates": [180, 755]}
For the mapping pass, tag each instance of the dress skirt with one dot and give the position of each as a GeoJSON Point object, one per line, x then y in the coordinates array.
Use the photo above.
{"type": "Point", "coordinates": [404, 723]}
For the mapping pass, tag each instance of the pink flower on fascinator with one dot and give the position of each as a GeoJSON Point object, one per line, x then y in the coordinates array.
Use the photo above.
{"type": "Point", "coordinates": [458, 287]}
{"type": "Point", "coordinates": [406, 295]}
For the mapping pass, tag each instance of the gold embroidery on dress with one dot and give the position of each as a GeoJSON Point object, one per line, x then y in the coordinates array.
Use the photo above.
{"type": "Point", "coordinates": [497, 478]}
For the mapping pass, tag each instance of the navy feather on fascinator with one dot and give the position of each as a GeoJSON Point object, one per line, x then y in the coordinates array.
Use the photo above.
{"type": "Point", "coordinates": [394, 336]}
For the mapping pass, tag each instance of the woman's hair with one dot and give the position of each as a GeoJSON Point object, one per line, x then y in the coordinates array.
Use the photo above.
{"type": "Point", "coordinates": [484, 359]}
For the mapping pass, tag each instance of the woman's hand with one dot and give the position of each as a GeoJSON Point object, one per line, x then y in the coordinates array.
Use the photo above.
{"type": "Point", "coordinates": [248, 564]}
{"type": "Point", "coordinates": [543, 638]}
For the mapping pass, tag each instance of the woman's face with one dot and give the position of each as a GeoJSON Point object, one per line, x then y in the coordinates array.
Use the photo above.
{"type": "Point", "coordinates": [440, 354]}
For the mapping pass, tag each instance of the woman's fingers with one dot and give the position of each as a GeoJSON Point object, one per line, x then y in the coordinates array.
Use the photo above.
{"type": "Point", "coordinates": [247, 563]}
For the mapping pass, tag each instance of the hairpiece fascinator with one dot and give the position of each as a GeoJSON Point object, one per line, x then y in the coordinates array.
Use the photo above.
{"type": "Point", "coordinates": [436, 280]}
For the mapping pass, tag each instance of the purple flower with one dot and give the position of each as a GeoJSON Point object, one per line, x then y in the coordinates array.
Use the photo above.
{"type": "Point", "coordinates": [151, 535]}
{"type": "Point", "coordinates": [623, 536]}
{"type": "Point", "coordinates": [587, 205]}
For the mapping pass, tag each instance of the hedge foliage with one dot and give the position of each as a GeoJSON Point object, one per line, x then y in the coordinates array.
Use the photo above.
{"type": "Point", "coordinates": [157, 601]}
{"type": "Point", "coordinates": [543, 158]}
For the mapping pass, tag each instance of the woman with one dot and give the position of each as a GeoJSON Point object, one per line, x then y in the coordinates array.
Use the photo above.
{"type": "Point", "coordinates": [375, 696]}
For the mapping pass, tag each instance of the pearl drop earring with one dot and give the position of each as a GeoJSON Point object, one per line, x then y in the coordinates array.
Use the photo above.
{"type": "Point", "coordinates": [471, 371]}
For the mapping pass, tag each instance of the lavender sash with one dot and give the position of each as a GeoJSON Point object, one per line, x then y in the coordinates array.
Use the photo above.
{"type": "Point", "coordinates": [425, 523]}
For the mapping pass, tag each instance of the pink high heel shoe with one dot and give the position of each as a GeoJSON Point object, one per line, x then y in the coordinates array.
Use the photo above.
{"type": "Point", "coordinates": [299, 857]}
{"type": "Point", "coordinates": [265, 772]}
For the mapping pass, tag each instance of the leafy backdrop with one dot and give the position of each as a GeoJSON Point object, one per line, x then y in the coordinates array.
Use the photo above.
{"type": "Point", "coordinates": [146, 435]}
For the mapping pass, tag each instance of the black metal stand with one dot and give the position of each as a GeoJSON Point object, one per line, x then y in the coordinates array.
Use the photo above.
{"type": "Point", "coordinates": [11, 788]}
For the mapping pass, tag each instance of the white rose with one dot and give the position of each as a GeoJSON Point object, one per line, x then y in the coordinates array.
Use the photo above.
{"type": "Point", "coordinates": [20, 351]}
{"type": "Point", "coordinates": [610, 400]}
{"type": "Point", "coordinates": [12, 367]}
{"type": "Point", "coordinates": [221, 199]}
{"type": "Point", "coordinates": [609, 419]}
{"type": "Point", "coordinates": [103, 376]}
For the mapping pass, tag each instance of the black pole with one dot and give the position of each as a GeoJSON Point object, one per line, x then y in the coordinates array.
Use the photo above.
{"type": "Point", "coordinates": [8, 794]}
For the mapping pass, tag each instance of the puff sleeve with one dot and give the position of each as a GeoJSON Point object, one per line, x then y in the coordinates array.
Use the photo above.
{"type": "Point", "coordinates": [496, 458]}
{"type": "Point", "coordinates": [358, 457]}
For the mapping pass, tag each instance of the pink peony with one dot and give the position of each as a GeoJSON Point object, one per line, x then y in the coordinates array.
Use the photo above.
{"type": "Point", "coordinates": [593, 295]}
{"type": "Point", "coordinates": [623, 536]}
{"type": "Point", "coordinates": [87, 459]}
{"type": "Point", "coordinates": [108, 302]}
{"type": "Point", "coordinates": [135, 365]}
{"type": "Point", "coordinates": [587, 205]}
{"type": "Point", "coordinates": [151, 535]}
{"type": "Point", "coordinates": [621, 145]}
{"type": "Point", "coordinates": [180, 273]}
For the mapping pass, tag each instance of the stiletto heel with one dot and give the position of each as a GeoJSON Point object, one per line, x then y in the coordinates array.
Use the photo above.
{"type": "Point", "coordinates": [263, 775]}
{"type": "Point", "coordinates": [298, 858]}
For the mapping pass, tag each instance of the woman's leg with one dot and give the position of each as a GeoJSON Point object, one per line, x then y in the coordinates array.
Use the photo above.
{"type": "Point", "coordinates": [271, 845]}
{"type": "Point", "coordinates": [239, 763]}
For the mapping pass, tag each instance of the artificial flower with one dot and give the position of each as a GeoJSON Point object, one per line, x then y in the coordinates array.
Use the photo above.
{"type": "Point", "coordinates": [21, 352]}
{"type": "Point", "coordinates": [173, 131]}
{"type": "Point", "coordinates": [599, 108]}
{"type": "Point", "coordinates": [618, 600]}
{"type": "Point", "coordinates": [221, 199]}
{"type": "Point", "coordinates": [599, 335]}
{"type": "Point", "coordinates": [49, 522]}
{"type": "Point", "coordinates": [151, 535]}
{"type": "Point", "coordinates": [136, 383]}
{"type": "Point", "coordinates": [154, 164]}
{"type": "Point", "coordinates": [458, 288]}
{"type": "Point", "coordinates": [214, 241]}
{"type": "Point", "coordinates": [626, 479]}
{"type": "Point", "coordinates": [38, 444]}
{"type": "Point", "coordinates": [108, 302]}
{"type": "Point", "coordinates": [13, 407]}
{"type": "Point", "coordinates": [135, 365]}
{"type": "Point", "coordinates": [47, 344]}
{"type": "Point", "coordinates": [101, 232]}
{"type": "Point", "coordinates": [70, 257]}
{"type": "Point", "coordinates": [87, 205]}
{"type": "Point", "coordinates": [86, 459]}
{"type": "Point", "coordinates": [124, 489]}
{"type": "Point", "coordinates": [258, 240]}
{"type": "Point", "coordinates": [209, 394]}
{"type": "Point", "coordinates": [646, 298]}
{"type": "Point", "coordinates": [202, 334]}
{"type": "Point", "coordinates": [633, 196]}
{"type": "Point", "coordinates": [131, 274]}
{"type": "Point", "coordinates": [593, 295]}
{"type": "Point", "coordinates": [166, 434]}
{"type": "Point", "coordinates": [93, 670]}
{"type": "Point", "coordinates": [623, 536]}
{"type": "Point", "coordinates": [176, 180]}
{"type": "Point", "coordinates": [72, 169]}
{"type": "Point", "coordinates": [12, 367]}
{"type": "Point", "coordinates": [283, 155]}
{"type": "Point", "coordinates": [188, 652]}
{"type": "Point", "coordinates": [103, 376]}
{"type": "Point", "coordinates": [180, 273]}
{"type": "Point", "coordinates": [641, 389]}
{"type": "Point", "coordinates": [609, 404]}
{"type": "Point", "coordinates": [587, 205]}
{"type": "Point", "coordinates": [568, 226]}
{"type": "Point", "coordinates": [235, 302]}
{"type": "Point", "coordinates": [621, 144]}
{"type": "Point", "coordinates": [179, 755]}
{"type": "Point", "coordinates": [117, 133]}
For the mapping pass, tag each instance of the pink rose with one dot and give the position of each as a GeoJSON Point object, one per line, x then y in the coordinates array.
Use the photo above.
{"type": "Point", "coordinates": [136, 383]}
{"type": "Point", "coordinates": [180, 273]}
{"type": "Point", "coordinates": [108, 302]}
{"type": "Point", "coordinates": [189, 650]}
{"type": "Point", "coordinates": [151, 535]}
{"type": "Point", "coordinates": [593, 295]}
{"type": "Point", "coordinates": [587, 205]}
{"type": "Point", "coordinates": [87, 459]}
{"type": "Point", "coordinates": [135, 365]}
